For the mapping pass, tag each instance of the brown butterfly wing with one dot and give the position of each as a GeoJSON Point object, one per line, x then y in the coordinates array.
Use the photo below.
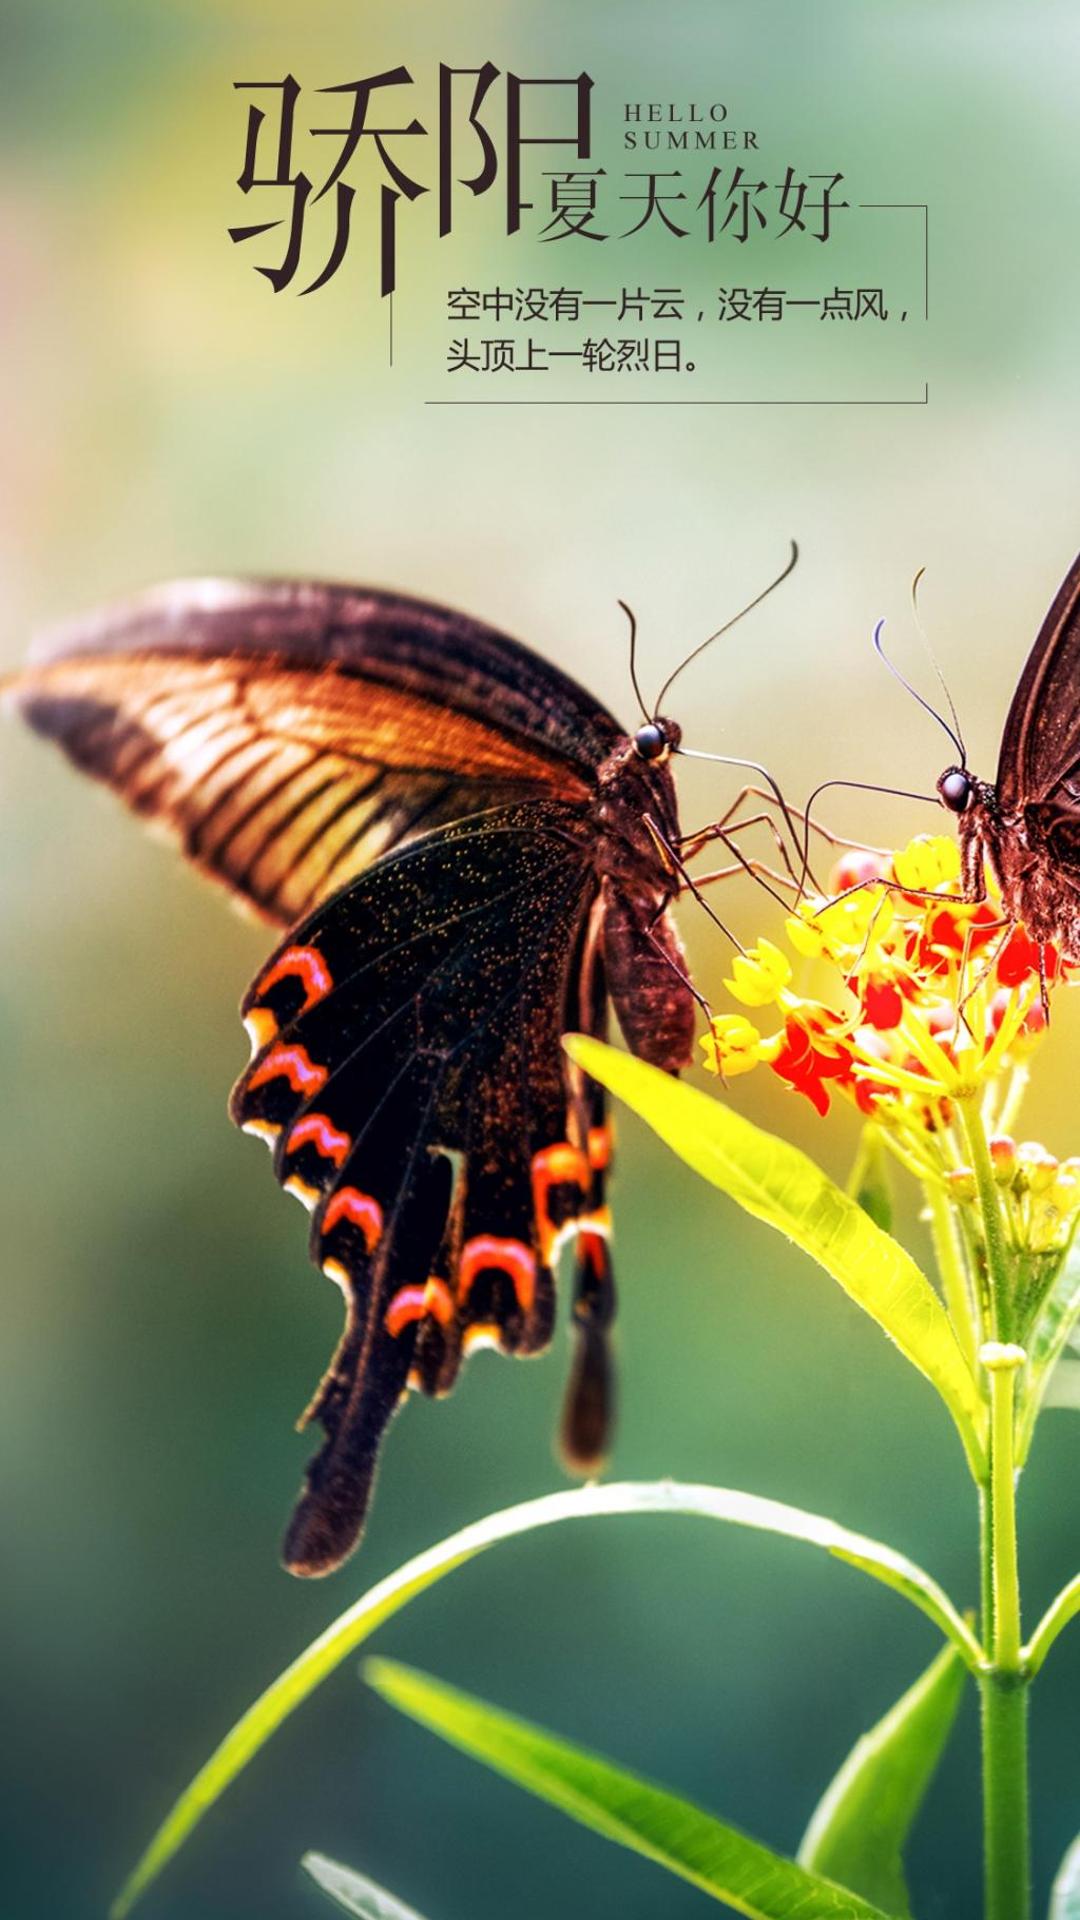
{"type": "Point", "coordinates": [290, 734]}
{"type": "Point", "coordinates": [1039, 761]}
{"type": "Point", "coordinates": [411, 1025]}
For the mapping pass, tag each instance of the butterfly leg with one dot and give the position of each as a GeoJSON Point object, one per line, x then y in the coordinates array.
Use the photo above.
{"type": "Point", "coordinates": [992, 926]}
{"type": "Point", "coordinates": [693, 842]}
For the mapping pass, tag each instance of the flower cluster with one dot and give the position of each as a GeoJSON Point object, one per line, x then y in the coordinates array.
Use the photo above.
{"type": "Point", "coordinates": [927, 1000]}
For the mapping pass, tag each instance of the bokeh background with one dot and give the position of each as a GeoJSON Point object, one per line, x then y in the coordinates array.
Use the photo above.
{"type": "Point", "coordinates": [165, 414]}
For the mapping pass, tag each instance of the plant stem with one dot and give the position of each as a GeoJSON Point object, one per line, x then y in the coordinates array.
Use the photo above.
{"type": "Point", "coordinates": [1002, 1364]}
{"type": "Point", "coordinates": [1005, 1826]}
{"type": "Point", "coordinates": [1004, 1685]}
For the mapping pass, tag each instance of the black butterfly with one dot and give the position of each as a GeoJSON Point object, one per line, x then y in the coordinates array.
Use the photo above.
{"type": "Point", "coordinates": [1026, 826]}
{"type": "Point", "coordinates": [468, 852]}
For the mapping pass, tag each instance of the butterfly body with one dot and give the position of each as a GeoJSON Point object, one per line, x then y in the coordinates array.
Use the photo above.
{"type": "Point", "coordinates": [466, 855]}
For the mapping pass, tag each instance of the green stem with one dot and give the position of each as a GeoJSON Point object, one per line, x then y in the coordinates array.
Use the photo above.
{"type": "Point", "coordinates": [1003, 1686]}
{"type": "Point", "coordinates": [1002, 1364]}
{"type": "Point", "coordinates": [1004, 1744]}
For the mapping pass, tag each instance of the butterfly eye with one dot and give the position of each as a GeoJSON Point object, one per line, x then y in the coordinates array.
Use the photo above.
{"type": "Point", "coordinates": [651, 741]}
{"type": "Point", "coordinates": [955, 788]}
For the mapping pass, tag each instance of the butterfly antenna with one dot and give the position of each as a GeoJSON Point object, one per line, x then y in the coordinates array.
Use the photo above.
{"type": "Point", "coordinates": [856, 786]}
{"type": "Point", "coordinates": [933, 659]}
{"type": "Point", "coordinates": [752, 766]}
{"type": "Point", "coordinates": [632, 617]}
{"type": "Point", "coordinates": [726, 628]}
{"type": "Point", "coordinates": [953, 734]}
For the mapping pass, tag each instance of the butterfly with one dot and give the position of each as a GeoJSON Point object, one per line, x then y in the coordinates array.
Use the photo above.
{"type": "Point", "coordinates": [467, 856]}
{"type": "Point", "coordinates": [1026, 826]}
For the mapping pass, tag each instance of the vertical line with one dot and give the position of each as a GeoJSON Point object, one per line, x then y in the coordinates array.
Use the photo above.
{"type": "Point", "coordinates": [926, 262]}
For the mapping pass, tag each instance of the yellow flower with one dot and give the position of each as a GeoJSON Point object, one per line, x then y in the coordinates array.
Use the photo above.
{"type": "Point", "coordinates": [732, 1045]}
{"type": "Point", "coordinates": [846, 930]}
{"type": "Point", "coordinates": [928, 864]}
{"type": "Point", "coordinates": [759, 976]}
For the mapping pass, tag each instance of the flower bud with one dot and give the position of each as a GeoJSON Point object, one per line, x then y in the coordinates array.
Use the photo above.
{"type": "Point", "coordinates": [759, 976]}
{"type": "Point", "coordinates": [854, 869]}
{"type": "Point", "coordinates": [927, 863]}
{"type": "Point", "coordinates": [806, 933]}
{"type": "Point", "coordinates": [999, 1356]}
{"type": "Point", "coordinates": [1038, 1169]}
{"type": "Point", "coordinates": [732, 1045]}
{"type": "Point", "coordinates": [960, 1182]}
{"type": "Point", "coordinates": [1003, 1158]}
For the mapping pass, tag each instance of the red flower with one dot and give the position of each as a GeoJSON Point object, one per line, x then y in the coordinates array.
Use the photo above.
{"type": "Point", "coordinates": [883, 1004]}
{"type": "Point", "coordinates": [1018, 959]}
{"type": "Point", "coordinates": [804, 1064]}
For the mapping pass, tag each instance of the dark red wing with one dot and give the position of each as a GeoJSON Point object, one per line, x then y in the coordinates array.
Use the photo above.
{"type": "Point", "coordinates": [289, 734]}
{"type": "Point", "coordinates": [1040, 746]}
{"type": "Point", "coordinates": [418, 1015]}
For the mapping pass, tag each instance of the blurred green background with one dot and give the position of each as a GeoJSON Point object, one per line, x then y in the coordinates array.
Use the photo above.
{"type": "Point", "coordinates": [164, 413]}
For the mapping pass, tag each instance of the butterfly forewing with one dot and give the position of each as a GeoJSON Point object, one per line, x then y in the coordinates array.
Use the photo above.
{"type": "Point", "coordinates": [290, 735]}
{"type": "Point", "coordinates": [1040, 745]}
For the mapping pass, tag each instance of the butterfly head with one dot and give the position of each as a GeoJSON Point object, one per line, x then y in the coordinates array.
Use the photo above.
{"type": "Point", "coordinates": [957, 789]}
{"type": "Point", "coordinates": [657, 740]}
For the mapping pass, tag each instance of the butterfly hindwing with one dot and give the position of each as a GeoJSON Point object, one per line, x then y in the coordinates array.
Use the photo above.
{"type": "Point", "coordinates": [409, 1077]}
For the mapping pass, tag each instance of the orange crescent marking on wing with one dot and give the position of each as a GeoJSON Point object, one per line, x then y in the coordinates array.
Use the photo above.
{"type": "Point", "coordinates": [511, 1257]}
{"type": "Point", "coordinates": [406, 1306]}
{"type": "Point", "coordinates": [483, 1333]}
{"type": "Point", "coordinates": [600, 1146]}
{"type": "Point", "coordinates": [439, 1300]}
{"type": "Point", "coordinates": [555, 1166]}
{"type": "Point", "coordinates": [296, 1064]}
{"type": "Point", "coordinates": [260, 1025]}
{"type": "Point", "coordinates": [316, 1130]}
{"type": "Point", "coordinates": [415, 1303]}
{"type": "Point", "coordinates": [359, 1209]}
{"type": "Point", "coordinates": [593, 1247]}
{"type": "Point", "coordinates": [302, 963]}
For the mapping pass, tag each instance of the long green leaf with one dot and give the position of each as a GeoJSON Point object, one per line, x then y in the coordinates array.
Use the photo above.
{"type": "Point", "coordinates": [1065, 1892]}
{"type": "Point", "coordinates": [778, 1184]}
{"type": "Point", "coordinates": [673, 1832]}
{"type": "Point", "coordinates": [1063, 1607]}
{"type": "Point", "coordinates": [360, 1620]}
{"type": "Point", "coordinates": [354, 1892]}
{"type": "Point", "coordinates": [859, 1828]}
{"type": "Point", "coordinates": [1063, 1386]}
{"type": "Point", "coordinates": [1047, 1377]}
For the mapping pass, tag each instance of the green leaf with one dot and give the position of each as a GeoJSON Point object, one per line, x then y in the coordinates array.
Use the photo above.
{"type": "Point", "coordinates": [858, 1829]}
{"type": "Point", "coordinates": [869, 1185]}
{"type": "Point", "coordinates": [776, 1183]}
{"type": "Point", "coordinates": [1063, 1387]}
{"type": "Point", "coordinates": [673, 1832]}
{"type": "Point", "coordinates": [354, 1891]}
{"type": "Point", "coordinates": [360, 1620]}
{"type": "Point", "coordinates": [1063, 1607]}
{"type": "Point", "coordinates": [1046, 1342]}
{"type": "Point", "coordinates": [1065, 1892]}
